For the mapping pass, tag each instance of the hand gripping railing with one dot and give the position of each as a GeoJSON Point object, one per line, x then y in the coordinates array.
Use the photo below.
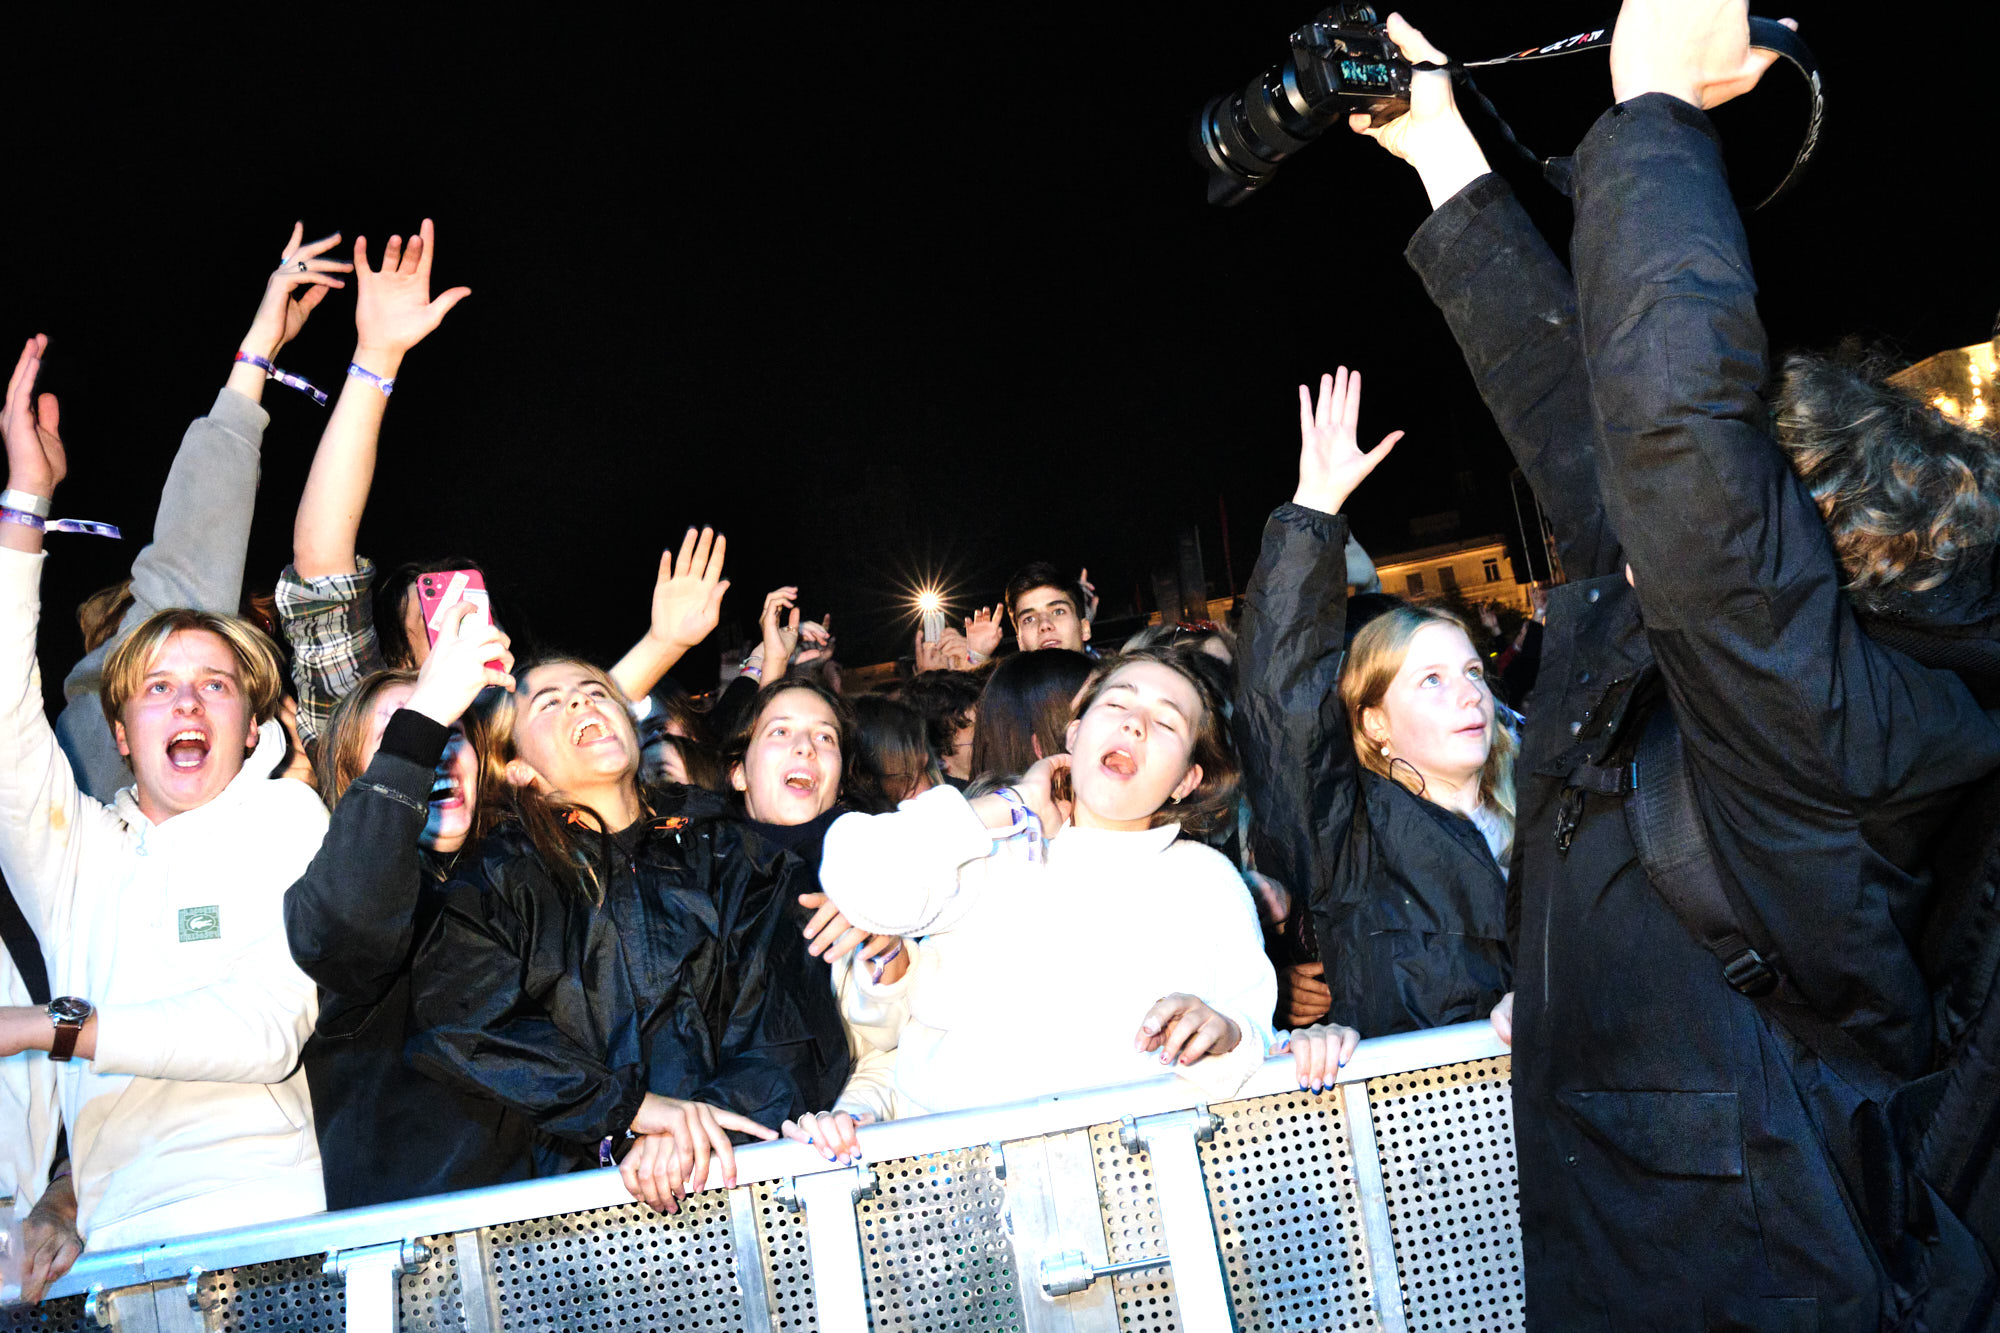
{"type": "Point", "coordinates": [1386, 1202]}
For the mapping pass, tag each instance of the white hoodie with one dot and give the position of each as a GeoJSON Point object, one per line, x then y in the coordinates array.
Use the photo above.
{"type": "Point", "coordinates": [193, 1116]}
{"type": "Point", "coordinates": [1033, 976]}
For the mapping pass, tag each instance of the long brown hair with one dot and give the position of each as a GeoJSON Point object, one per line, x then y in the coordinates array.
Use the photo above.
{"type": "Point", "coordinates": [337, 762]}
{"type": "Point", "coordinates": [1213, 801]}
{"type": "Point", "coordinates": [1372, 663]}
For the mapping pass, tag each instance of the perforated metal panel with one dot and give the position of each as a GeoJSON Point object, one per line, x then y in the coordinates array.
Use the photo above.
{"type": "Point", "coordinates": [787, 1262]}
{"type": "Point", "coordinates": [291, 1296]}
{"type": "Point", "coordinates": [1287, 1215]}
{"type": "Point", "coordinates": [616, 1269]}
{"type": "Point", "coordinates": [935, 1246]}
{"type": "Point", "coordinates": [429, 1296]}
{"type": "Point", "coordinates": [1446, 1138]}
{"type": "Point", "coordinates": [1132, 1231]}
{"type": "Point", "coordinates": [63, 1316]}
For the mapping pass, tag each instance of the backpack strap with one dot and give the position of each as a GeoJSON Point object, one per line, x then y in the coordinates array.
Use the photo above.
{"type": "Point", "coordinates": [25, 948]}
{"type": "Point", "coordinates": [1673, 845]}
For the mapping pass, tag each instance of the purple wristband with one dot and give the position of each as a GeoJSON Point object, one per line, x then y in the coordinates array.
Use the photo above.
{"type": "Point", "coordinates": [84, 526]}
{"type": "Point", "coordinates": [362, 372]}
{"type": "Point", "coordinates": [284, 377]}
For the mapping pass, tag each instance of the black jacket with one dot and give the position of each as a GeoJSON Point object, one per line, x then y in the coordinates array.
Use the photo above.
{"type": "Point", "coordinates": [386, 1132]}
{"type": "Point", "coordinates": [688, 980]}
{"type": "Point", "coordinates": [1680, 1156]}
{"type": "Point", "coordinates": [1407, 904]}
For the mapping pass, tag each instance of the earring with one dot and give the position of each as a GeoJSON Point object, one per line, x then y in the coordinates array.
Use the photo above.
{"type": "Point", "coordinates": [1385, 751]}
{"type": "Point", "coordinates": [1176, 800]}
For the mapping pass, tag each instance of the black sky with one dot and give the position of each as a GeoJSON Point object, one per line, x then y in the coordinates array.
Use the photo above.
{"type": "Point", "coordinates": [879, 290]}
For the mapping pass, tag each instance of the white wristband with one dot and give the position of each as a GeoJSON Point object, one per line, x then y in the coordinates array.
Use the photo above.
{"type": "Point", "coordinates": [38, 505]}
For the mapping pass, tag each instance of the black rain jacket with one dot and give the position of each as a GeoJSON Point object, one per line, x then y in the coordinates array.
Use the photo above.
{"type": "Point", "coordinates": [386, 1132]}
{"type": "Point", "coordinates": [1680, 1155]}
{"type": "Point", "coordinates": [688, 980]}
{"type": "Point", "coordinates": [1408, 905]}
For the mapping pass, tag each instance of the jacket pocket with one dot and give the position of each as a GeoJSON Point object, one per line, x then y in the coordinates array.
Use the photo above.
{"type": "Point", "coordinates": [1665, 1133]}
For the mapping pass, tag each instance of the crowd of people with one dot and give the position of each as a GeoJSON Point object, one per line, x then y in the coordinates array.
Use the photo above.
{"type": "Point", "coordinates": [360, 905]}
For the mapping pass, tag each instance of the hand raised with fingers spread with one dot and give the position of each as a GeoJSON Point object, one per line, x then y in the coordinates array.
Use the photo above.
{"type": "Point", "coordinates": [984, 628]}
{"type": "Point", "coordinates": [36, 460]}
{"type": "Point", "coordinates": [393, 308]}
{"type": "Point", "coordinates": [1331, 463]}
{"type": "Point", "coordinates": [293, 291]}
{"type": "Point", "coordinates": [1183, 1029]}
{"type": "Point", "coordinates": [687, 599]}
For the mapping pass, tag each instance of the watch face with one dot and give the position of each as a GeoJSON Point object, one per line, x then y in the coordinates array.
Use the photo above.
{"type": "Point", "coordinates": [69, 1009]}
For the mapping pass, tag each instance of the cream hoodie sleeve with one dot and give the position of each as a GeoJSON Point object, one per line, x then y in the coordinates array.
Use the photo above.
{"type": "Point", "coordinates": [1227, 965]}
{"type": "Point", "coordinates": [914, 872]}
{"type": "Point", "coordinates": [45, 819]}
{"type": "Point", "coordinates": [873, 1014]}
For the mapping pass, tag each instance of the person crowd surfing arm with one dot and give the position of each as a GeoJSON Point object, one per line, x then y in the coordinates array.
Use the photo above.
{"type": "Point", "coordinates": [323, 599]}
{"type": "Point", "coordinates": [202, 531]}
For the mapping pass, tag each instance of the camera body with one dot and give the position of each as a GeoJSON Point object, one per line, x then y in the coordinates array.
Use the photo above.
{"type": "Point", "coordinates": [1340, 63]}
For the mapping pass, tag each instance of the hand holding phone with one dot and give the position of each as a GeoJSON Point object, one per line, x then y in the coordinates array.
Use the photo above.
{"type": "Point", "coordinates": [438, 592]}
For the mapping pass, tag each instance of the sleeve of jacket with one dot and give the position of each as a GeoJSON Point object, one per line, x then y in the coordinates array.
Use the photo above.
{"type": "Point", "coordinates": [200, 537]}
{"type": "Point", "coordinates": [495, 1009]}
{"type": "Point", "coordinates": [1777, 690]}
{"type": "Point", "coordinates": [351, 917]}
{"type": "Point", "coordinates": [1299, 771]}
{"type": "Point", "coordinates": [250, 1024]}
{"type": "Point", "coordinates": [1512, 307]}
{"type": "Point", "coordinates": [915, 871]}
{"type": "Point", "coordinates": [783, 1051]}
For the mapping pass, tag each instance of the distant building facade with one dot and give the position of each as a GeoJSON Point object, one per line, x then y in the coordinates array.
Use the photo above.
{"type": "Point", "coordinates": [1477, 570]}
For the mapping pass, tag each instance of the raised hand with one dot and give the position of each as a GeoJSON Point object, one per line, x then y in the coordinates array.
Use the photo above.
{"type": "Point", "coordinates": [957, 651]}
{"type": "Point", "coordinates": [1431, 136]}
{"type": "Point", "coordinates": [36, 461]}
{"type": "Point", "coordinates": [781, 634]}
{"type": "Point", "coordinates": [393, 309]}
{"type": "Point", "coordinates": [687, 599]}
{"type": "Point", "coordinates": [1696, 50]}
{"type": "Point", "coordinates": [815, 640]}
{"type": "Point", "coordinates": [456, 670]}
{"type": "Point", "coordinates": [984, 627]}
{"type": "Point", "coordinates": [1183, 1029]}
{"type": "Point", "coordinates": [929, 655]}
{"type": "Point", "coordinates": [293, 291]}
{"type": "Point", "coordinates": [1331, 463]}
{"type": "Point", "coordinates": [1089, 607]}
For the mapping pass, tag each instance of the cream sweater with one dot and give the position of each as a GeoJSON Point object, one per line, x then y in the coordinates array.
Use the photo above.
{"type": "Point", "coordinates": [194, 1115]}
{"type": "Point", "coordinates": [1032, 977]}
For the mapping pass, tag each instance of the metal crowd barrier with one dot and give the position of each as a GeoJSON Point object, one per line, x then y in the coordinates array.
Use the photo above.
{"type": "Point", "coordinates": [1385, 1203]}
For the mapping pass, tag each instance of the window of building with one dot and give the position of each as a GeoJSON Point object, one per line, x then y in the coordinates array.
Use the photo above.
{"type": "Point", "coordinates": [1414, 584]}
{"type": "Point", "coordinates": [1447, 578]}
{"type": "Point", "coordinates": [1492, 570]}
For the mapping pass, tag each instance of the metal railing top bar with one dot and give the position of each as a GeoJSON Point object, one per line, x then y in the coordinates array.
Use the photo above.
{"type": "Point", "coordinates": [323, 1233]}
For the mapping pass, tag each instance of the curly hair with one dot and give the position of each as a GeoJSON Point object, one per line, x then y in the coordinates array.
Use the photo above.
{"type": "Point", "coordinates": [1909, 496]}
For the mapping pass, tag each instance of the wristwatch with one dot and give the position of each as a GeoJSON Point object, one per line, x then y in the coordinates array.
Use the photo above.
{"type": "Point", "coordinates": [69, 1014]}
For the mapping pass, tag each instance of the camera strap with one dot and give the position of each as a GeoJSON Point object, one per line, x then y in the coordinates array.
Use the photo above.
{"type": "Point", "coordinates": [1765, 35]}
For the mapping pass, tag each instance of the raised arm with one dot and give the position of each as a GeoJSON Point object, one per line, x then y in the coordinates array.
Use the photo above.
{"type": "Point", "coordinates": [1299, 771]}
{"type": "Point", "coordinates": [687, 606]}
{"type": "Point", "coordinates": [393, 312]}
{"type": "Point", "coordinates": [1510, 304]}
{"type": "Point", "coordinates": [202, 530]}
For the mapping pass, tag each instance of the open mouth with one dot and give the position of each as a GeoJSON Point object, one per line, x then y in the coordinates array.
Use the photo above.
{"type": "Point", "coordinates": [1120, 762]}
{"type": "Point", "coordinates": [803, 781]}
{"type": "Point", "coordinates": [187, 749]}
{"type": "Point", "coordinates": [589, 732]}
{"type": "Point", "coordinates": [445, 794]}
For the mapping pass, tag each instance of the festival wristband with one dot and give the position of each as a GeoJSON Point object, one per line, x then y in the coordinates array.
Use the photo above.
{"type": "Point", "coordinates": [361, 372]}
{"type": "Point", "coordinates": [83, 526]}
{"type": "Point", "coordinates": [38, 505]}
{"type": "Point", "coordinates": [1026, 823]}
{"type": "Point", "coordinates": [284, 377]}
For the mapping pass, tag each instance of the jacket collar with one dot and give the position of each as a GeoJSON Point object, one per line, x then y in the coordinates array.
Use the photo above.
{"type": "Point", "coordinates": [256, 771]}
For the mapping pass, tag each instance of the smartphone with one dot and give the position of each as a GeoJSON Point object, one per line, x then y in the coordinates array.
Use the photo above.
{"type": "Point", "coordinates": [438, 592]}
{"type": "Point", "coordinates": [933, 625]}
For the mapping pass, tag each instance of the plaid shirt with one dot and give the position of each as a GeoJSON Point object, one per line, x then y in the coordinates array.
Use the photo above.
{"type": "Point", "coordinates": [332, 632]}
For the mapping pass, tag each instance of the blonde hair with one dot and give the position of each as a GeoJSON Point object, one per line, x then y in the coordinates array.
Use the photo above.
{"type": "Point", "coordinates": [1372, 663]}
{"type": "Point", "coordinates": [98, 614]}
{"type": "Point", "coordinates": [263, 676]}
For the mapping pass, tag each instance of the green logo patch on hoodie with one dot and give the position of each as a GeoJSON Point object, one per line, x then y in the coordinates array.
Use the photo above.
{"type": "Point", "coordinates": [200, 923]}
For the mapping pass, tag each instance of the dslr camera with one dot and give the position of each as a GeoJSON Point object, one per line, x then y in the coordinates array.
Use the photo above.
{"type": "Point", "coordinates": [1340, 63]}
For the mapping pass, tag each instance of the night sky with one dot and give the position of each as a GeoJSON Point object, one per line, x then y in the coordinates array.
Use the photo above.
{"type": "Point", "coordinates": [879, 291]}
